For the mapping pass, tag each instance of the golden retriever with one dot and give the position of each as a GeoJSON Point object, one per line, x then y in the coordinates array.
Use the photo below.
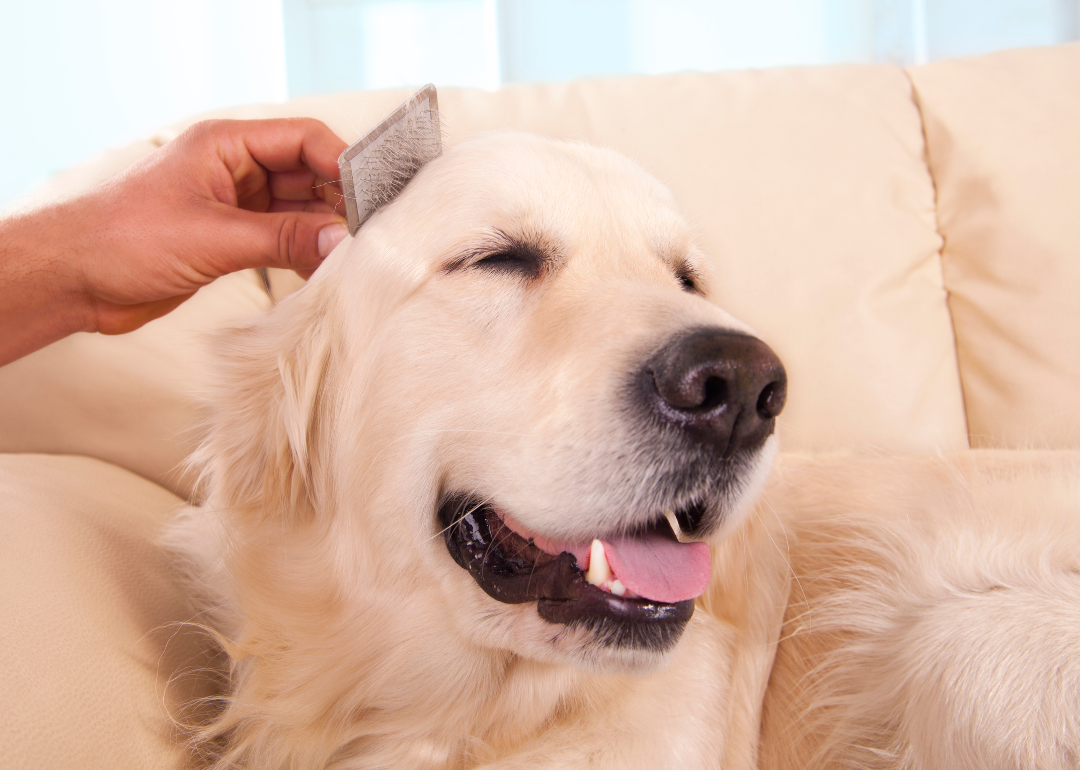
{"type": "Point", "coordinates": [461, 490]}
{"type": "Point", "coordinates": [934, 615]}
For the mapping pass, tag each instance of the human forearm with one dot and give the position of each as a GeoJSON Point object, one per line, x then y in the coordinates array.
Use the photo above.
{"type": "Point", "coordinates": [41, 299]}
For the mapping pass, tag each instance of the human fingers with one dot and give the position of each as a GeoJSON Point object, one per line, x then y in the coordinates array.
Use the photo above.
{"type": "Point", "coordinates": [300, 187]}
{"type": "Point", "coordinates": [290, 159]}
{"type": "Point", "coordinates": [283, 144]}
{"type": "Point", "coordinates": [294, 185]}
{"type": "Point", "coordinates": [305, 185]}
{"type": "Point", "coordinates": [316, 207]}
{"type": "Point", "coordinates": [294, 240]}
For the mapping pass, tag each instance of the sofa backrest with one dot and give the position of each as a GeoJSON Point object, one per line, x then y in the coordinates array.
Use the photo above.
{"type": "Point", "coordinates": [1003, 135]}
{"type": "Point", "coordinates": [827, 214]}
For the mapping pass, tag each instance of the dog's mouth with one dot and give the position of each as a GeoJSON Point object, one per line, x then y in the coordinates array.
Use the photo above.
{"type": "Point", "coordinates": [634, 590]}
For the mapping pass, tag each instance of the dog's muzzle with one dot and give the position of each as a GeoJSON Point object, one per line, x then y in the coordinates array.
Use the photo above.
{"type": "Point", "coordinates": [513, 570]}
{"type": "Point", "coordinates": [709, 399]}
{"type": "Point", "coordinates": [702, 407]}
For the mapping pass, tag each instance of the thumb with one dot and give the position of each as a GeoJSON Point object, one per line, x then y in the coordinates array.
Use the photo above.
{"type": "Point", "coordinates": [293, 240]}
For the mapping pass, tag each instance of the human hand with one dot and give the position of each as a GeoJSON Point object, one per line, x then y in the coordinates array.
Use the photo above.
{"type": "Point", "coordinates": [221, 197]}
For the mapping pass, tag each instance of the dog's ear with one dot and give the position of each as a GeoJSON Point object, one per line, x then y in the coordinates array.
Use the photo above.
{"type": "Point", "coordinates": [264, 446]}
{"type": "Point", "coordinates": [278, 378]}
{"type": "Point", "coordinates": [302, 373]}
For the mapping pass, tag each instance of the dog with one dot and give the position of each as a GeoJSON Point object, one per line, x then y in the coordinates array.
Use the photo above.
{"type": "Point", "coordinates": [934, 613]}
{"type": "Point", "coordinates": [485, 493]}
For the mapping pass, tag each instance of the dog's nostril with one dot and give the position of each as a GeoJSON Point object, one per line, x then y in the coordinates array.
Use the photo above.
{"type": "Point", "coordinates": [722, 388]}
{"type": "Point", "coordinates": [716, 393]}
{"type": "Point", "coordinates": [771, 401]}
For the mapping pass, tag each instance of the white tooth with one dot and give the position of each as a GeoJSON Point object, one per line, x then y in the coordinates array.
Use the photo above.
{"type": "Point", "coordinates": [618, 588]}
{"type": "Point", "coordinates": [599, 571]}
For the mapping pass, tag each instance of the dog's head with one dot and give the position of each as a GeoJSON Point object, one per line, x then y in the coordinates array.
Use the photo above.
{"type": "Point", "coordinates": [514, 359]}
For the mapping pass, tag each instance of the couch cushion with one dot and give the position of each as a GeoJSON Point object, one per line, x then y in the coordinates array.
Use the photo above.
{"type": "Point", "coordinates": [133, 400]}
{"type": "Point", "coordinates": [89, 607]}
{"type": "Point", "coordinates": [807, 186]}
{"type": "Point", "coordinates": [1003, 138]}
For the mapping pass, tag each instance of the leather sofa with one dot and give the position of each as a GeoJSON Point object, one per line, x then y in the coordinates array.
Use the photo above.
{"type": "Point", "coordinates": [908, 241]}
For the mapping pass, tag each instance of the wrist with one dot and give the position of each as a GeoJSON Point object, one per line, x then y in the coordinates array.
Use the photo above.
{"type": "Point", "coordinates": [41, 295]}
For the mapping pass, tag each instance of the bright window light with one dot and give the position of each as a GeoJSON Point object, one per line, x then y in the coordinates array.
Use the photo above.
{"type": "Point", "coordinates": [79, 76]}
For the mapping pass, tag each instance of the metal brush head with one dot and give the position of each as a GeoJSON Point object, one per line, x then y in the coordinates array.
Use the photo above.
{"type": "Point", "coordinates": [376, 168]}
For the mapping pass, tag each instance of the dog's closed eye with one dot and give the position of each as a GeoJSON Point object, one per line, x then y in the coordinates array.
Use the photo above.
{"type": "Point", "coordinates": [516, 259]}
{"type": "Point", "coordinates": [688, 279]}
{"type": "Point", "coordinates": [528, 256]}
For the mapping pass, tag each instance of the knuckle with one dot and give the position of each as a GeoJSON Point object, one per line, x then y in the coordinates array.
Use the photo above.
{"type": "Point", "coordinates": [289, 251]}
{"type": "Point", "coordinates": [202, 129]}
{"type": "Point", "coordinates": [209, 130]}
{"type": "Point", "coordinates": [196, 135]}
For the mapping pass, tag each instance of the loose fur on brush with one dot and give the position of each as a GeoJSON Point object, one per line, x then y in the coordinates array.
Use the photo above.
{"type": "Point", "coordinates": [476, 334]}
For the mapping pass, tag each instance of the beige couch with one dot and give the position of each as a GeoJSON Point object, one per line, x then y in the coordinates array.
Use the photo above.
{"type": "Point", "coordinates": [907, 240]}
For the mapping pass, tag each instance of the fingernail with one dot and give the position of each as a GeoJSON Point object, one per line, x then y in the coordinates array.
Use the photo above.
{"type": "Point", "coordinates": [329, 237]}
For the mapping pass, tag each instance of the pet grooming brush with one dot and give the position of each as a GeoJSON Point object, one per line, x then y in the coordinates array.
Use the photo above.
{"type": "Point", "coordinates": [376, 168]}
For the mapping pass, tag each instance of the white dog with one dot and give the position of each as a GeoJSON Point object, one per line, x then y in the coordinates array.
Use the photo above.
{"type": "Point", "coordinates": [461, 491]}
{"type": "Point", "coordinates": [935, 619]}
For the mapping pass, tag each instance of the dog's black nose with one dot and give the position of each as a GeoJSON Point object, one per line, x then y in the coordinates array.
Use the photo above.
{"type": "Point", "coordinates": [721, 387]}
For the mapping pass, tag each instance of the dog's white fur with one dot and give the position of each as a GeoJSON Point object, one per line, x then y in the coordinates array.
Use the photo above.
{"type": "Point", "coordinates": [935, 622]}
{"type": "Point", "coordinates": [355, 641]}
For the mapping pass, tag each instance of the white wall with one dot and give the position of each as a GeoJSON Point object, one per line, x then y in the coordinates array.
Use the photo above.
{"type": "Point", "coordinates": [79, 76]}
{"type": "Point", "coordinates": [338, 45]}
{"type": "Point", "coordinates": [334, 45]}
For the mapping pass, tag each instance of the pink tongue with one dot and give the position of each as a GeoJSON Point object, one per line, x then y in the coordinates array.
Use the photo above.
{"type": "Point", "coordinates": [650, 565]}
{"type": "Point", "coordinates": [659, 568]}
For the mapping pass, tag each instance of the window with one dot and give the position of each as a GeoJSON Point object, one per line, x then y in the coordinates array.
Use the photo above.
{"type": "Point", "coordinates": [78, 76]}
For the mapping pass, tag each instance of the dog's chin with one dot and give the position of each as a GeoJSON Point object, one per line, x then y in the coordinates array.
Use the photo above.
{"type": "Point", "coordinates": [594, 626]}
{"type": "Point", "coordinates": [582, 646]}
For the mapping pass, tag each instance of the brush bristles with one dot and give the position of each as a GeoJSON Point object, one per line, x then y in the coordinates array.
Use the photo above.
{"type": "Point", "coordinates": [388, 164]}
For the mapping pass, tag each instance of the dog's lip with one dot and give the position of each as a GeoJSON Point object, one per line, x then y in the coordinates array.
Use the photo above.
{"type": "Point", "coordinates": [514, 569]}
{"type": "Point", "coordinates": [580, 550]}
